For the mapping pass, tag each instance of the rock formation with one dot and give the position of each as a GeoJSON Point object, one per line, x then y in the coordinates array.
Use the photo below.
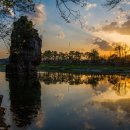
{"type": "Point", "coordinates": [25, 49]}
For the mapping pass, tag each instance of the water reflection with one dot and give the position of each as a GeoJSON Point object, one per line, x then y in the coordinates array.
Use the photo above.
{"type": "Point", "coordinates": [25, 97]}
{"type": "Point", "coordinates": [92, 102]}
{"type": "Point", "coordinates": [120, 83]}
{"type": "Point", "coordinates": [72, 79]}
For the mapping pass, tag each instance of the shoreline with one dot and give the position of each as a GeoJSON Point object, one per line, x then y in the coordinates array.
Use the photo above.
{"type": "Point", "coordinates": [80, 69]}
{"type": "Point", "coordinates": [84, 69]}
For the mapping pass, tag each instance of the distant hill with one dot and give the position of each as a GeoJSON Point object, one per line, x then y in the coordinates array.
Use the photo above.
{"type": "Point", "coordinates": [4, 61]}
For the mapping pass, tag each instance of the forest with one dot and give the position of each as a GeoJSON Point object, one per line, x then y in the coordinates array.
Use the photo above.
{"type": "Point", "coordinates": [120, 56]}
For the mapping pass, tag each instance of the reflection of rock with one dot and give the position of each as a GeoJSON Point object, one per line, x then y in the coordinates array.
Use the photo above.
{"type": "Point", "coordinates": [3, 126]}
{"type": "Point", "coordinates": [1, 97]}
{"type": "Point", "coordinates": [40, 120]}
{"type": "Point", "coordinates": [25, 100]}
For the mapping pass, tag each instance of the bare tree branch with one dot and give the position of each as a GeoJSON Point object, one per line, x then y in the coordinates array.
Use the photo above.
{"type": "Point", "coordinates": [11, 9]}
{"type": "Point", "coordinates": [67, 13]}
{"type": "Point", "coordinates": [112, 3]}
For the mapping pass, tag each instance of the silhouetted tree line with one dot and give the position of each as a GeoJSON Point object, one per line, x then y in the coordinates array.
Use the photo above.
{"type": "Point", "coordinates": [120, 57]}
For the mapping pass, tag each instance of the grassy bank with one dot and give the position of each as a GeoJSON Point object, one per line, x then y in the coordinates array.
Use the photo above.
{"type": "Point", "coordinates": [84, 68]}
{"type": "Point", "coordinates": [79, 68]}
{"type": "Point", "coordinates": [2, 68]}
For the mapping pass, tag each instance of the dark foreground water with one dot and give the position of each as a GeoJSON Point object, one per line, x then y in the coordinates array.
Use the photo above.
{"type": "Point", "coordinates": [60, 101]}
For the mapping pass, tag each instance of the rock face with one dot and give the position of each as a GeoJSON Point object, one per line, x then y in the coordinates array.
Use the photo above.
{"type": "Point", "coordinates": [25, 49]}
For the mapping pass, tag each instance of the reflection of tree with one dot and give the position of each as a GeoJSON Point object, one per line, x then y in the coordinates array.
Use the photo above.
{"type": "Point", "coordinates": [120, 89]}
{"type": "Point", "coordinates": [113, 79]}
{"type": "Point", "coordinates": [53, 78]}
{"type": "Point", "coordinates": [72, 79]}
{"type": "Point", "coordinates": [119, 84]}
{"type": "Point", "coordinates": [25, 100]}
{"type": "Point", "coordinates": [93, 80]}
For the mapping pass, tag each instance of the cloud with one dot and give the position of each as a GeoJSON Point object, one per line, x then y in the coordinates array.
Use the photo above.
{"type": "Point", "coordinates": [111, 95]}
{"type": "Point", "coordinates": [122, 29]}
{"type": "Point", "coordinates": [11, 13]}
{"type": "Point", "coordinates": [103, 45]}
{"type": "Point", "coordinates": [61, 35]}
{"type": "Point", "coordinates": [126, 2]}
{"type": "Point", "coordinates": [40, 15]}
{"type": "Point", "coordinates": [112, 27]}
{"type": "Point", "coordinates": [86, 25]}
{"type": "Point", "coordinates": [90, 6]}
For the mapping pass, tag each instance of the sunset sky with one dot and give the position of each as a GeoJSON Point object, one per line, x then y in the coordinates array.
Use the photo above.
{"type": "Point", "coordinates": [102, 27]}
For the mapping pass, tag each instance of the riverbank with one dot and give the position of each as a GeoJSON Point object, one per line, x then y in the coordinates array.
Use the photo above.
{"type": "Point", "coordinates": [80, 69]}
{"type": "Point", "coordinates": [2, 67]}
{"type": "Point", "coordinates": [84, 69]}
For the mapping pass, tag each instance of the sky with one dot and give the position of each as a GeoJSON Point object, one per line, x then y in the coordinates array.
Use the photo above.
{"type": "Point", "coordinates": [101, 28]}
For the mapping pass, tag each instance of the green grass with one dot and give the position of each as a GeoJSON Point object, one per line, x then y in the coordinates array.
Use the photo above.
{"type": "Point", "coordinates": [2, 68]}
{"type": "Point", "coordinates": [79, 68]}
{"type": "Point", "coordinates": [83, 68]}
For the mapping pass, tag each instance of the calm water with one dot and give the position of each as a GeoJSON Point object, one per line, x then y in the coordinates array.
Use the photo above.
{"type": "Point", "coordinates": [59, 101]}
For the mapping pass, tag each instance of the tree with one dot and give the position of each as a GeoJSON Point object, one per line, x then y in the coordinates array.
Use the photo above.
{"type": "Point", "coordinates": [119, 50]}
{"type": "Point", "coordinates": [10, 10]}
{"type": "Point", "coordinates": [126, 50]}
{"type": "Point", "coordinates": [93, 55]}
{"type": "Point", "coordinates": [66, 12]}
{"type": "Point", "coordinates": [74, 55]}
{"type": "Point", "coordinates": [62, 56]}
{"type": "Point", "coordinates": [54, 55]}
{"type": "Point", "coordinates": [78, 55]}
{"type": "Point", "coordinates": [112, 3]}
{"type": "Point", "coordinates": [11, 7]}
{"type": "Point", "coordinates": [47, 55]}
{"type": "Point", "coordinates": [21, 34]}
{"type": "Point", "coordinates": [113, 58]}
{"type": "Point", "coordinates": [71, 55]}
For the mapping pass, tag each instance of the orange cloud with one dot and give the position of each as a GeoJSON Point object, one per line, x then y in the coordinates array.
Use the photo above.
{"type": "Point", "coordinates": [114, 27]}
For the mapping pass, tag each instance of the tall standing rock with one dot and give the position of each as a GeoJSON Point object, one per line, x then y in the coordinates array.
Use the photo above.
{"type": "Point", "coordinates": [25, 49]}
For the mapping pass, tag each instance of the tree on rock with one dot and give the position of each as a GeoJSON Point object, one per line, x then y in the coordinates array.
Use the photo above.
{"type": "Point", "coordinates": [25, 49]}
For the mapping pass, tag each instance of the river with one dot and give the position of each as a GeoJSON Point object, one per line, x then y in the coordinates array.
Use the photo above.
{"type": "Point", "coordinates": [66, 101]}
